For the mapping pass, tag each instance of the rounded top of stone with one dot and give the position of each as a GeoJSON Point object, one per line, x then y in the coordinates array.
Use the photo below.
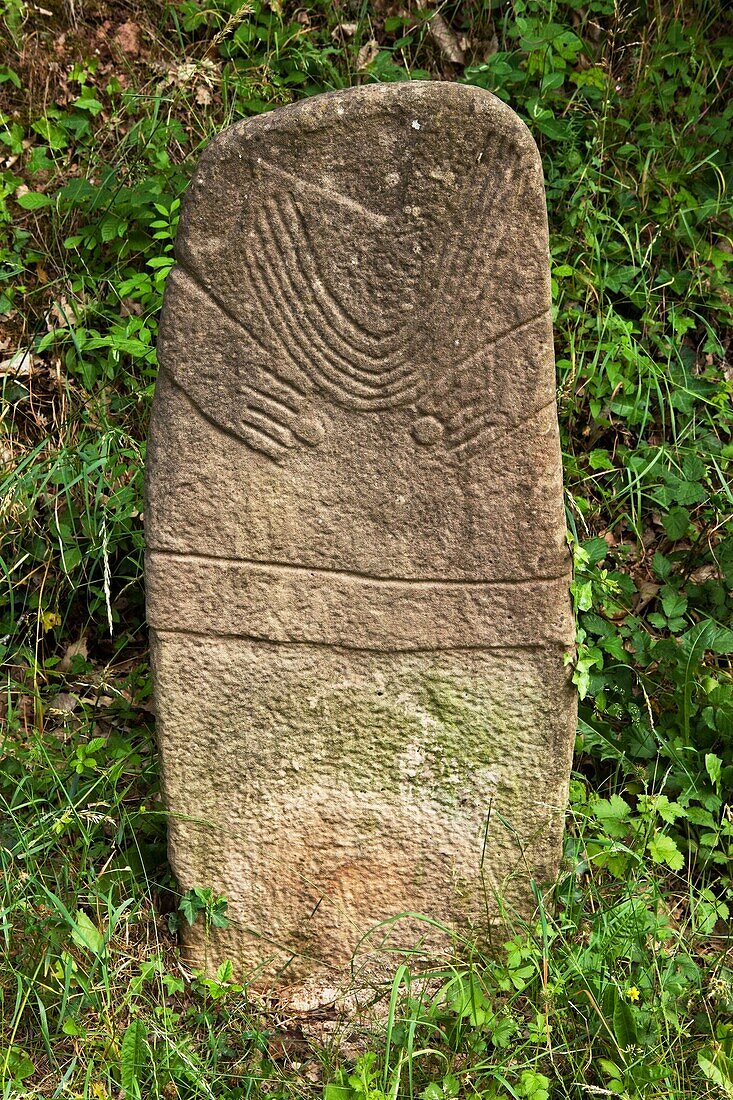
{"type": "Point", "coordinates": [421, 104]}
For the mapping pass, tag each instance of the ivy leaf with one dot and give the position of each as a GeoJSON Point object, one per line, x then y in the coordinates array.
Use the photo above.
{"type": "Point", "coordinates": [676, 523]}
{"type": "Point", "coordinates": [190, 907]}
{"type": "Point", "coordinates": [225, 972]}
{"type": "Point", "coordinates": [663, 849]}
{"type": "Point", "coordinates": [218, 919]}
{"type": "Point", "coordinates": [33, 200]}
{"type": "Point", "coordinates": [674, 603]}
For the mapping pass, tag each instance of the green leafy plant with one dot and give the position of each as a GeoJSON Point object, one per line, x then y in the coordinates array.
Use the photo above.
{"type": "Point", "coordinates": [624, 985]}
{"type": "Point", "coordinates": [201, 903]}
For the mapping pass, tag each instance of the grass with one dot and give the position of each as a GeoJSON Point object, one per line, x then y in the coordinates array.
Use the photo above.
{"type": "Point", "coordinates": [625, 987]}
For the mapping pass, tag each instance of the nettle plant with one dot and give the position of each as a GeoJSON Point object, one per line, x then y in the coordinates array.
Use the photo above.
{"type": "Point", "coordinates": [611, 984]}
{"type": "Point", "coordinates": [74, 500]}
{"type": "Point", "coordinates": [656, 708]}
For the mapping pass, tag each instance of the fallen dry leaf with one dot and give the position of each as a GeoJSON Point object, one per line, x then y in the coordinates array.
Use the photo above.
{"type": "Point", "coordinates": [704, 573]}
{"type": "Point", "coordinates": [444, 37]}
{"type": "Point", "coordinates": [75, 649]}
{"type": "Point", "coordinates": [344, 30]}
{"type": "Point", "coordinates": [367, 53]}
{"type": "Point", "coordinates": [647, 592]}
{"type": "Point", "coordinates": [446, 40]}
{"type": "Point", "coordinates": [127, 37]}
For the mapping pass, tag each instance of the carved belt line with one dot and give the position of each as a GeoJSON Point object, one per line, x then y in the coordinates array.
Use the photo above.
{"type": "Point", "coordinates": [289, 603]}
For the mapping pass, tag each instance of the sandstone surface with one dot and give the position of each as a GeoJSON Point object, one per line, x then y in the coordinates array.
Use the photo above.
{"type": "Point", "coordinates": [357, 575]}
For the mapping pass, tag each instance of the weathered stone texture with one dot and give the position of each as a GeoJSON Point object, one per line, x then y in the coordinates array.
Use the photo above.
{"type": "Point", "coordinates": [357, 573]}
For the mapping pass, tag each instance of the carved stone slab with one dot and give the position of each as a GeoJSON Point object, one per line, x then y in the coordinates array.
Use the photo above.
{"type": "Point", "coordinates": [357, 573]}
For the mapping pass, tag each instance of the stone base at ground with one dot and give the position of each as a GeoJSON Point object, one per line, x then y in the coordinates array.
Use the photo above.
{"type": "Point", "coordinates": [353, 792]}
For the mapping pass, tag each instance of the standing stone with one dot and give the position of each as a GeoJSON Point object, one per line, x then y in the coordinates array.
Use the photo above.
{"type": "Point", "coordinates": [357, 574]}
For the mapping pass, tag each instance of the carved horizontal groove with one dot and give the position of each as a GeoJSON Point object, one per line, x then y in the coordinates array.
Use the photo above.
{"type": "Point", "coordinates": [465, 648]}
{"type": "Point", "coordinates": [357, 574]}
{"type": "Point", "coordinates": [283, 603]}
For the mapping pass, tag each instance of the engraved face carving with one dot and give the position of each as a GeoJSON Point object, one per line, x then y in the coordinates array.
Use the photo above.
{"type": "Point", "coordinates": [336, 301]}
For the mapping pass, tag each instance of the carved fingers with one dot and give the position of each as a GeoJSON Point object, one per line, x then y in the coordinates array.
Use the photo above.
{"type": "Point", "coordinates": [274, 416]}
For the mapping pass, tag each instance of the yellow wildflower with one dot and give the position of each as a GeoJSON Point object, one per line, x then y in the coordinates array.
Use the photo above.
{"type": "Point", "coordinates": [633, 993]}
